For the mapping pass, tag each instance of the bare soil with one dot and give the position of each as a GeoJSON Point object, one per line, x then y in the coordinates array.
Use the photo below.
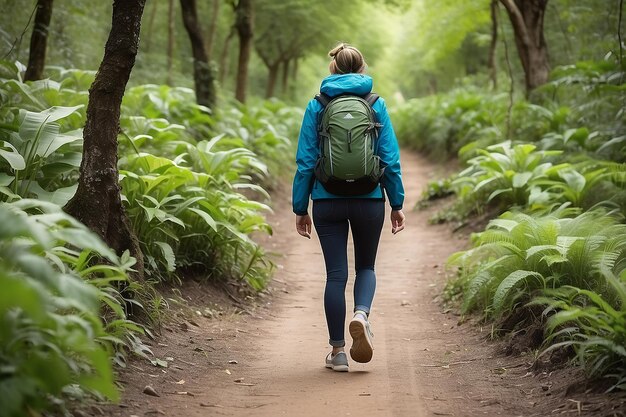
{"type": "Point", "coordinates": [265, 357]}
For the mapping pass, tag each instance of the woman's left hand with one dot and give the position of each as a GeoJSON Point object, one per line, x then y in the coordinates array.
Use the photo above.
{"type": "Point", "coordinates": [303, 225]}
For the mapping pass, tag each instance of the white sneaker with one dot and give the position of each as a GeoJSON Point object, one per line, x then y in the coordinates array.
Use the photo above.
{"type": "Point", "coordinates": [362, 346]}
{"type": "Point", "coordinates": [338, 362]}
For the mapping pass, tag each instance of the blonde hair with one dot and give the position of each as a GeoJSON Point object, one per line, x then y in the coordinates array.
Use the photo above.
{"type": "Point", "coordinates": [346, 59]}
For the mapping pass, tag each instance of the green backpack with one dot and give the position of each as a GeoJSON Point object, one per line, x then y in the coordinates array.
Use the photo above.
{"type": "Point", "coordinates": [348, 164]}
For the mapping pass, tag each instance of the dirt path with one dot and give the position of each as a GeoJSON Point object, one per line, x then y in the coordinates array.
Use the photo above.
{"type": "Point", "coordinates": [424, 364]}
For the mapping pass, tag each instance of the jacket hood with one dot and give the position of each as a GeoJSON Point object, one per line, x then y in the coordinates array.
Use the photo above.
{"type": "Point", "coordinates": [336, 84]}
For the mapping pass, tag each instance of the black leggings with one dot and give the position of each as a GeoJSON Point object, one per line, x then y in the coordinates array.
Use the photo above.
{"type": "Point", "coordinates": [332, 219]}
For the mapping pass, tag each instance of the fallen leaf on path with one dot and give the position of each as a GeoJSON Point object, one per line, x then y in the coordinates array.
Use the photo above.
{"type": "Point", "coordinates": [148, 390]}
{"type": "Point", "coordinates": [159, 362]}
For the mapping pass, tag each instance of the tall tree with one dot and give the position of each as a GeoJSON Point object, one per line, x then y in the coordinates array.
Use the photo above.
{"type": "Point", "coordinates": [210, 42]}
{"type": "Point", "coordinates": [244, 23]}
{"type": "Point", "coordinates": [527, 18]}
{"type": "Point", "coordinates": [224, 56]}
{"type": "Point", "coordinates": [493, 71]}
{"type": "Point", "coordinates": [97, 202]}
{"type": "Point", "coordinates": [202, 75]}
{"type": "Point", "coordinates": [39, 41]}
{"type": "Point", "coordinates": [171, 33]}
{"type": "Point", "coordinates": [290, 29]}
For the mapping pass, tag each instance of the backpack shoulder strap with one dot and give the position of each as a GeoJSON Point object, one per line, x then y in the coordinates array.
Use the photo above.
{"type": "Point", "coordinates": [371, 98]}
{"type": "Point", "coordinates": [323, 99]}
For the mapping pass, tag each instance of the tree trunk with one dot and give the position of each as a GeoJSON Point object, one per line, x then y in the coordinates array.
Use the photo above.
{"type": "Point", "coordinates": [224, 58]}
{"type": "Point", "coordinates": [619, 38]}
{"type": "Point", "coordinates": [244, 20]}
{"type": "Point", "coordinates": [294, 73]}
{"type": "Point", "coordinates": [527, 18]}
{"type": "Point", "coordinates": [38, 41]}
{"type": "Point", "coordinates": [203, 78]}
{"type": "Point", "coordinates": [170, 41]}
{"type": "Point", "coordinates": [493, 70]}
{"type": "Point", "coordinates": [271, 79]}
{"type": "Point", "coordinates": [151, 25]}
{"type": "Point", "coordinates": [285, 84]}
{"type": "Point", "coordinates": [97, 201]}
{"type": "Point", "coordinates": [212, 30]}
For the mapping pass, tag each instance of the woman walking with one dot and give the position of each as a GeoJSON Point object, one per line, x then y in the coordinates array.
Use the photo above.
{"type": "Point", "coordinates": [346, 130]}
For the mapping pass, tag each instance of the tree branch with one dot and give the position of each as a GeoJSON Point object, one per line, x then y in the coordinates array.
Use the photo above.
{"type": "Point", "coordinates": [619, 34]}
{"type": "Point", "coordinates": [511, 80]}
{"type": "Point", "coordinates": [517, 20]}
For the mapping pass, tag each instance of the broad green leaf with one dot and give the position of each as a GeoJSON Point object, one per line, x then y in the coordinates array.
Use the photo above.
{"type": "Point", "coordinates": [49, 144]}
{"type": "Point", "coordinates": [168, 255]}
{"type": "Point", "coordinates": [574, 179]}
{"type": "Point", "coordinates": [520, 179]}
{"type": "Point", "coordinates": [12, 156]}
{"type": "Point", "coordinates": [5, 179]}
{"type": "Point", "coordinates": [206, 217]}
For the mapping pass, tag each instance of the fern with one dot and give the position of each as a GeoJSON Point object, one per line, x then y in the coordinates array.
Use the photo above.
{"type": "Point", "coordinates": [505, 292]}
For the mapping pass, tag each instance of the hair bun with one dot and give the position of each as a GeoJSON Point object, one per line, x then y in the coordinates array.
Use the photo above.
{"type": "Point", "coordinates": [333, 53]}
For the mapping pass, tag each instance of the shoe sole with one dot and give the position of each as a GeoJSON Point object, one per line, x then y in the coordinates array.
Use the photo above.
{"type": "Point", "coordinates": [338, 368]}
{"type": "Point", "coordinates": [362, 348]}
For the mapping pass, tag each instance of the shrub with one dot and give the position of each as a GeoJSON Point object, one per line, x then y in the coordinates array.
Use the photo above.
{"type": "Point", "coordinates": [594, 325]}
{"type": "Point", "coordinates": [519, 255]}
{"type": "Point", "coordinates": [53, 340]}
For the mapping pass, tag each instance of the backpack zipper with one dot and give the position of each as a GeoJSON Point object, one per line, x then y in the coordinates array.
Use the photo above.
{"type": "Point", "coordinates": [350, 141]}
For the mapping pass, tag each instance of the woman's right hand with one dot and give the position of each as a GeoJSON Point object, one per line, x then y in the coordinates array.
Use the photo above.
{"type": "Point", "coordinates": [303, 225]}
{"type": "Point", "coordinates": [397, 221]}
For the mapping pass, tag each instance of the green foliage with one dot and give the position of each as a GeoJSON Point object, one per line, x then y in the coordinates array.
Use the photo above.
{"type": "Point", "coordinates": [53, 339]}
{"type": "Point", "coordinates": [194, 216]}
{"type": "Point", "coordinates": [197, 203]}
{"type": "Point", "coordinates": [508, 173]}
{"type": "Point", "coordinates": [441, 125]}
{"type": "Point", "coordinates": [592, 324]}
{"type": "Point", "coordinates": [189, 177]}
{"type": "Point", "coordinates": [523, 176]}
{"type": "Point", "coordinates": [565, 260]}
{"type": "Point", "coordinates": [268, 129]}
{"type": "Point", "coordinates": [519, 254]}
{"type": "Point", "coordinates": [38, 159]}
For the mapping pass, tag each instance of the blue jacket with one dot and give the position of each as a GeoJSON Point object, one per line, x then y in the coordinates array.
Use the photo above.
{"type": "Point", "coordinates": [304, 184]}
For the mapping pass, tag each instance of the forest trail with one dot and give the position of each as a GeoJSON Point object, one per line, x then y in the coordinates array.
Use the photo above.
{"type": "Point", "coordinates": [424, 363]}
